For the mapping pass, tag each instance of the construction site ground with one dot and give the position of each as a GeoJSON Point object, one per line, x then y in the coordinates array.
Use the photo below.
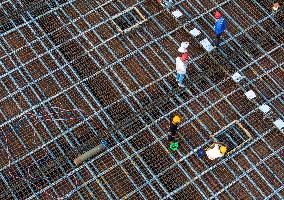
{"type": "Point", "coordinates": [75, 73]}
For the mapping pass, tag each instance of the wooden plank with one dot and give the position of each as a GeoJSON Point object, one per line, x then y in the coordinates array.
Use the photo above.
{"type": "Point", "coordinates": [245, 130]}
{"type": "Point", "coordinates": [140, 14]}
{"type": "Point", "coordinates": [241, 127]}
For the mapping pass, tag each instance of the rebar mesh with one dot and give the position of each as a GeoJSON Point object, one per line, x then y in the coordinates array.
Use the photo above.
{"type": "Point", "coordinates": [72, 78]}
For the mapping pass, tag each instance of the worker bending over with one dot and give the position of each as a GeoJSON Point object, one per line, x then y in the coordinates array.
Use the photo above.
{"type": "Point", "coordinates": [216, 150]}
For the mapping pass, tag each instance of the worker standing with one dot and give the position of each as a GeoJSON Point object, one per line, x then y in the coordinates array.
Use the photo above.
{"type": "Point", "coordinates": [220, 27]}
{"type": "Point", "coordinates": [173, 127]}
{"type": "Point", "coordinates": [181, 64]}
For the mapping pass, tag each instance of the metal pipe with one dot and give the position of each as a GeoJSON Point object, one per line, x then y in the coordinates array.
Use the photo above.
{"type": "Point", "coordinates": [85, 156]}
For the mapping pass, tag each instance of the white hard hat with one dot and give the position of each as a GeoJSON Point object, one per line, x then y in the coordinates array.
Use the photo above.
{"type": "Point", "coordinates": [184, 44]}
{"type": "Point", "coordinates": [183, 47]}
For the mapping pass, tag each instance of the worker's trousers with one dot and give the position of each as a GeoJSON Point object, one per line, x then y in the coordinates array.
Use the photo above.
{"type": "Point", "coordinates": [180, 78]}
{"type": "Point", "coordinates": [218, 39]}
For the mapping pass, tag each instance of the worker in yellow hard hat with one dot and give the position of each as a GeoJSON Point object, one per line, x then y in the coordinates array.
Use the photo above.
{"type": "Point", "coordinates": [176, 119]}
{"type": "Point", "coordinates": [223, 149]}
{"type": "Point", "coordinates": [173, 127]}
{"type": "Point", "coordinates": [216, 150]}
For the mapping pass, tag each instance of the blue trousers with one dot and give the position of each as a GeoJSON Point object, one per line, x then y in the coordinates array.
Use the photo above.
{"type": "Point", "coordinates": [180, 78]}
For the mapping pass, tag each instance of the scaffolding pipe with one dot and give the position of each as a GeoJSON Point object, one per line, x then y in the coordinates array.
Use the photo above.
{"type": "Point", "coordinates": [87, 155]}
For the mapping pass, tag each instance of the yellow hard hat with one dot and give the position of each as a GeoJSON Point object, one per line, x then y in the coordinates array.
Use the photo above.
{"type": "Point", "coordinates": [223, 149]}
{"type": "Point", "coordinates": [176, 119]}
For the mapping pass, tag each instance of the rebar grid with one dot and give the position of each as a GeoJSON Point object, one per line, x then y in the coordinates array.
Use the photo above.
{"type": "Point", "coordinates": [94, 80]}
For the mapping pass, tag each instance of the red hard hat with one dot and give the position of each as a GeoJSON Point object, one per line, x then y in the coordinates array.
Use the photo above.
{"type": "Point", "coordinates": [217, 15]}
{"type": "Point", "coordinates": [185, 56]}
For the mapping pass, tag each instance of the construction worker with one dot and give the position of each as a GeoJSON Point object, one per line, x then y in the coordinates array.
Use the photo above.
{"type": "Point", "coordinates": [181, 64]}
{"type": "Point", "coordinates": [220, 27]}
{"type": "Point", "coordinates": [216, 150]}
{"type": "Point", "coordinates": [166, 3]}
{"type": "Point", "coordinates": [279, 13]}
{"type": "Point", "coordinates": [275, 6]}
{"type": "Point", "coordinates": [173, 127]}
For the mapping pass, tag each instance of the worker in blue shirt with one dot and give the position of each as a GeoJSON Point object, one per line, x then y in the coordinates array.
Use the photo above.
{"type": "Point", "coordinates": [220, 26]}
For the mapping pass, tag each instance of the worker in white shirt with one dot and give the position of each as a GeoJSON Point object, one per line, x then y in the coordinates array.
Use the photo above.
{"type": "Point", "coordinates": [216, 150]}
{"type": "Point", "coordinates": [275, 6]}
{"type": "Point", "coordinates": [181, 64]}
